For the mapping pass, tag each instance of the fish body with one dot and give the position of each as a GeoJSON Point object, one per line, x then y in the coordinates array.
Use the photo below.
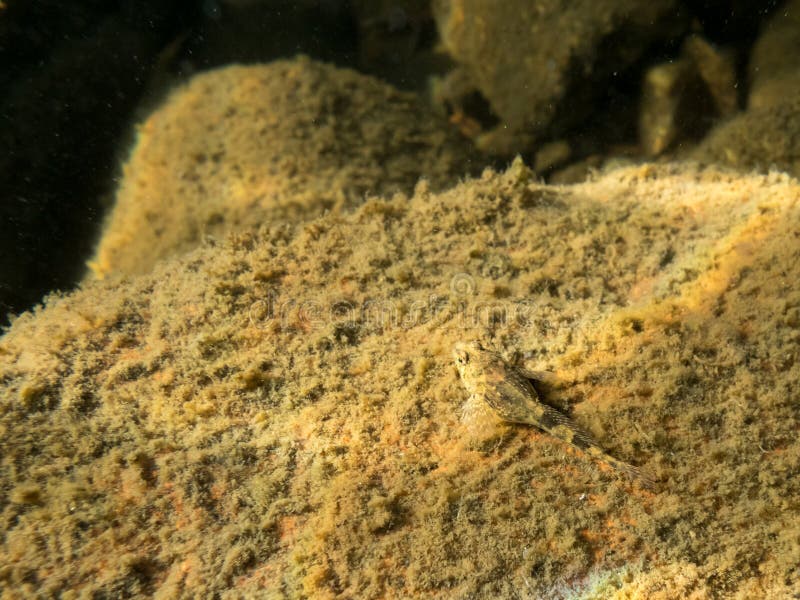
{"type": "Point", "coordinates": [511, 395]}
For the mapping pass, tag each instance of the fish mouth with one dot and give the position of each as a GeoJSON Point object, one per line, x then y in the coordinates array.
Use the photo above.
{"type": "Point", "coordinates": [459, 354]}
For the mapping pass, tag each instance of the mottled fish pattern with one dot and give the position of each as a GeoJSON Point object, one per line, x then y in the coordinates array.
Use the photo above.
{"type": "Point", "coordinates": [510, 394]}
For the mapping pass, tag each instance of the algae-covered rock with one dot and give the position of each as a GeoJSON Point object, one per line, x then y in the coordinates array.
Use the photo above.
{"type": "Point", "coordinates": [682, 97]}
{"type": "Point", "coordinates": [774, 77]}
{"type": "Point", "coordinates": [277, 414]}
{"type": "Point", "coordinates": [760, 139]}
{"type": "Point", "coordinates": [767, 135]}
{"type": "Point", "coordinates": [245, 145]}
{"type": "Point", "coordinates": [540, 65]}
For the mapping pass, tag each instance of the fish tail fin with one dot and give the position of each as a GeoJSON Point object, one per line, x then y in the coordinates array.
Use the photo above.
{"type": "Point", "coordinates": [634, 473]}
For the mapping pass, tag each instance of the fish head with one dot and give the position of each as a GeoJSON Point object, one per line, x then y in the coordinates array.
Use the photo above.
{"type": "Point", "coordinates": [464, 354]}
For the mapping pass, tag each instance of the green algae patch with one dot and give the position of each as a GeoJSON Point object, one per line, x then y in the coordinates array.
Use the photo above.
{"type": "Point", "coordinates": [278, 412]}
